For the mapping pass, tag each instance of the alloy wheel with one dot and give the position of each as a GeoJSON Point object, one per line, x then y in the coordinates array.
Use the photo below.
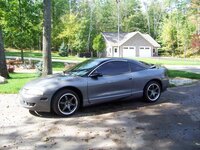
{"type": "Point", "coordinates": [67, 104]}
{"type": "Point", "coordinates": [153, 92]}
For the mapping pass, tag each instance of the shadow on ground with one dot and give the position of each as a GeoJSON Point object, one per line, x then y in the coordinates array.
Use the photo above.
{"type": "Point", "coordinates": [167, 124]}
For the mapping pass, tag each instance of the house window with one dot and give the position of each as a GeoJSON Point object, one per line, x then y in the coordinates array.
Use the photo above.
{"type": "Point", "coordinates": [125, 47]}
{"type": "Point", "coordinates": [131, 47]}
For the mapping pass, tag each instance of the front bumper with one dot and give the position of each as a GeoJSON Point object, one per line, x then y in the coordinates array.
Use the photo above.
{"type": "Point", "coordinates": [35, 103]}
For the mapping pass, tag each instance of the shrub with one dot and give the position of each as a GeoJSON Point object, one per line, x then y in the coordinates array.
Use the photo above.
{"type": "Point", "coordinates": [10, 68]}
{"type": "Point", "coordinates": [39, 67]}
{"type": "Point", "coordinates": [63, 50]}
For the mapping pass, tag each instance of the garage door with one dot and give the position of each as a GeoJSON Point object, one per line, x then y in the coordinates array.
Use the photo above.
{"type": "Point", "coordinates": [145, 51]}
{"type": "Point", "coordinates": [129, 51]}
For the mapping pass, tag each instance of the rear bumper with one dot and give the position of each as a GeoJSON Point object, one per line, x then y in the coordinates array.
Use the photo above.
{"type": "Point", "coordinates": [35, 103]}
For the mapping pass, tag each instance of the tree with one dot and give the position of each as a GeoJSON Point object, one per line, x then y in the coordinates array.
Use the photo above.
{"type": "Point", "coordinates": [63, 51]}
{"type": "Point", "coordinates": [47, 64]}
{"type": "Point", "coordinates": [3, 68]}
{"type": "Point", "coordinates": [99, 44]}
{"type": "Point", "coordinates": [22, 24]}
{"type": "Point", "coordinates": [134, 23]}
{"type": "Point", "coordinates": [169, 36]}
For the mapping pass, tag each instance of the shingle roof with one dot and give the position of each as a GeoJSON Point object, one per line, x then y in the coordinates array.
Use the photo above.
{"type": "Point", "coordinates": [112, 38]}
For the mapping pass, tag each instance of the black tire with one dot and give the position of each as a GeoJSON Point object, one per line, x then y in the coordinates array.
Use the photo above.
{"type": "Point", "coordinates": [152, 91]}
{"type": "Point", "coordinates": [65, 102]}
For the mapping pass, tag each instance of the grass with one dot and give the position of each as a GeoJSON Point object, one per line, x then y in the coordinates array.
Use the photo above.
{"type": "Point", "coordinates": [154, 60]}
{"type": "Point", "coordinates": [182, 74]}
{"type": "Point", "coordinates": [58, 66]}
{"type": "Point", "coordinates": [16, 82]}
{"type": "Point", "coordinates": [170, 61]}
{"type": "Point", "coordinates": [38, 54]}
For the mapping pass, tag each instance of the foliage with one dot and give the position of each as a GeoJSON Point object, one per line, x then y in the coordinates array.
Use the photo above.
{"type": "Point", "coordinates": [172, 23]}
{"type": "Point", "coordinates": [99, 43]}
{"type": "Point", "coordinates": [63, 50]}
{"type": "Point", "coordinates": [39, 68]}
{"type": "Point", "coordinates": [196, 42]}
{"type": "Point", "coordinates": [71, 26]}
{"type": "Point", "coordinates": [168, 35]}
{"type": "Point", "coordinates": [21, 23]}
{"type": "Point", "coordinates": [177, 30]}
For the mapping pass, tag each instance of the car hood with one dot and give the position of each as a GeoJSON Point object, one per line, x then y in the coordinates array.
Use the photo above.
{"type": "Point", "coordinates": [51, 81]}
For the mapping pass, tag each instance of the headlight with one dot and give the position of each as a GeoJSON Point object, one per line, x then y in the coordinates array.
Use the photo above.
{"type": "Point", "coordinates": [35, 92]}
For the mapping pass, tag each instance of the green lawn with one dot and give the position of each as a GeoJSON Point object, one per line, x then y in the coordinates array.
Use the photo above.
{"type": "Point", "coordinates": [170, 61]}
{"type": "Point", "coordinates": [58, 66]}
{"type": "Point", "coordinates": [38, 54]}
{"type": "Point", "coordinates": [16, 82]}
{"type": "Point", "coordinates": [154, 60]}
{"type": "Point", "coordinates": [183, 74]}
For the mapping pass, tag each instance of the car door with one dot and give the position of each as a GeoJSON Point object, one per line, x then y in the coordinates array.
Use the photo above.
{"type": "Point", "coordinates": [138, 82]}
{"type": "Point", "coordinates": [113, 84]}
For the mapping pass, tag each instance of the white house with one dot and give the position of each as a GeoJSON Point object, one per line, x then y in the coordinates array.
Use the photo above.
{"type": "Point", "coordinates": [133, 44]}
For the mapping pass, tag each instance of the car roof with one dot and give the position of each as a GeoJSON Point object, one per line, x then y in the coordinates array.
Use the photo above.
{"type": "Point", "coordinates": [115, 59]}
{"type": "Point", "coordinates": [102, 60]}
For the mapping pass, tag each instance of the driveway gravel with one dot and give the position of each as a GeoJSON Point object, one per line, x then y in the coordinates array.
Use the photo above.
{"type": "Point", "coordinates": [171, 123]}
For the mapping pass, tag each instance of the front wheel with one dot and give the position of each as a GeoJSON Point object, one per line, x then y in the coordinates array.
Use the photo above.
{"type": "Point", "coordinates": [65, 103]}
{"type": "Point", "coordinates": [152, 91]}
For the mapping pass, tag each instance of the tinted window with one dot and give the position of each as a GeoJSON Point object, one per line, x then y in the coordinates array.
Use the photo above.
{"type": "Point", "coordinates": [135, 67]}
{"type": "Point", "coordinates": [113, 68]}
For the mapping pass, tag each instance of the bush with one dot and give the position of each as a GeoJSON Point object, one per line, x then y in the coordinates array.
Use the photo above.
{"type": "Point", "coordinates": [63, 50]}
{"type": "Point", "coordinates": [10, 68]}
{"type": "Point", "coordinates": [39, 67]}
{"type": "Point", "coordinates": [86, 55]}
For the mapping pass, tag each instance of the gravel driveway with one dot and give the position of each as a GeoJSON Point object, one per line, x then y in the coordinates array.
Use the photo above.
{"type": "Point", "coordinates": [171, 123]}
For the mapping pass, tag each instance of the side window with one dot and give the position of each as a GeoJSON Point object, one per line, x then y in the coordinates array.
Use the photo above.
{"type": "Point", "coordinates": [114, 68]}
{"type": "Point", "coordinates": [135, 67]}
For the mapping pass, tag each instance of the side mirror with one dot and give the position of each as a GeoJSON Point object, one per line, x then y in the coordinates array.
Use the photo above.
{"type": "Point", "coordinates": [96, 75]}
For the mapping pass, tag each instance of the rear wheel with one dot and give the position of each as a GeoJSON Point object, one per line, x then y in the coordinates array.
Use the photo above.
{"type": "Point", "coordinates": [65, 103]}
{"type": "Point", "coordinates": [152, 91]}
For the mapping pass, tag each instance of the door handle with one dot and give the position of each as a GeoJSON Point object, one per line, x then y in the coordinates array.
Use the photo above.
{"type": "Point", "coordinates": [130, 79]}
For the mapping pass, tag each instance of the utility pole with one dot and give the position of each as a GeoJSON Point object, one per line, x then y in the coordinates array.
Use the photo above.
{"type": "Point", "coordinates": [148, 18]}
{"type": "Point", "coordinates": [90, 28]}
{"type": "Point", "coordinates": [198, 21]}
{"type": "Point", "coordinates": [70, 7]}
{"type": "Point", "coordinates": [118, 17]}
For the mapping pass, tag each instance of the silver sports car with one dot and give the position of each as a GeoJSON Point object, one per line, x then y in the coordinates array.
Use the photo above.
{"type": "Point", "coordinates": [94, 81]}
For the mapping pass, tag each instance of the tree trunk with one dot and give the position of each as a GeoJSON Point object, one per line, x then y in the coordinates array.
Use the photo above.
{"type": "Point", "coordinates": [22, 55]}
{"type": "Point", "coordinates": [47, 64]}
{"type": "Point", "coordinates": [21, 28]}
{"type": "Point", "coordinates": [3, 67]}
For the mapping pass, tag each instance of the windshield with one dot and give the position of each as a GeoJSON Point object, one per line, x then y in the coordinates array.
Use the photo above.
{"type": "Point", "coordinates": [83, 68]}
